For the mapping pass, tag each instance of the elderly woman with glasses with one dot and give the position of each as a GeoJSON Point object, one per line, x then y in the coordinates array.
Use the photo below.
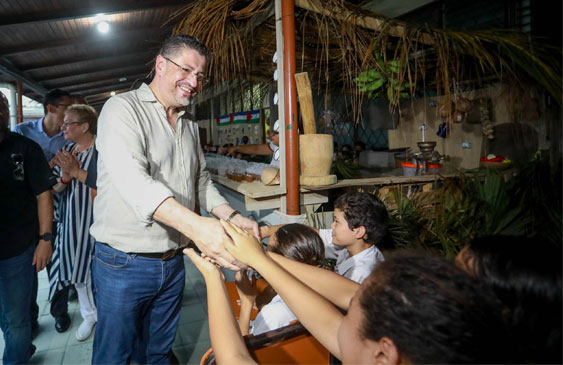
{"type": "Point", "coordinates": [73, 244]}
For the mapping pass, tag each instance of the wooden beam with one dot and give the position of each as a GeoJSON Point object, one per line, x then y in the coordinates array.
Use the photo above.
{"type": "Point", "coordinates": [156, 34]}
{"type": "Point", "coordinates": [363, 21]}
{"type": "Point", "coordinates": [98, 56]}
{"type": "Point", "coordinates": [106, 8]}
{"type": "Point", "coordinates": [8, 69]}
{"type": "Point", "coordinates": [91, 76]}
{"type": "Point", "coordinates": [108, 88]}
{"type": "Point", "coordinates": [116, 64]}
{"type": "Point", "coordinates": [104, 95]}
{"type": "Point", "coordinates": [81, 88]}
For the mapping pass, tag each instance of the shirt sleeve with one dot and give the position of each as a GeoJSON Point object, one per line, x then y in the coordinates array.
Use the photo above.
{"type": "Point", "coordinates": [121, 147]}
{"type": "Point", "coordinates": [36, 170]}
{"type": "Point", "coordinates": [208, 196]}
{"type": "Point", "coordinates": [18, 129]}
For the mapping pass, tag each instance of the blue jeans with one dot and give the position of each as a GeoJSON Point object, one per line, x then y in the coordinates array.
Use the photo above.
{"type": "Point", "coordinates": [16, 281]}
{"type": "Point", "coordinates": [139, 301]}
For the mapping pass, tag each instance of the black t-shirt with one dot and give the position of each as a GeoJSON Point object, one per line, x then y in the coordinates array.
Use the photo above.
{"type": "Point", "coordinates": [24, 174]}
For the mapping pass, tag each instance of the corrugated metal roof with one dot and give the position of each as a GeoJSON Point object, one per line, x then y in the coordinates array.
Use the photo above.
{"type": "Point", "coordinates": [54, 44]}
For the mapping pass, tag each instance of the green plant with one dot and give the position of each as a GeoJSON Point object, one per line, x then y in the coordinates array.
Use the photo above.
{"type": "Point", "coordinates": [384, 80]}
{"type": "Point", "coordinates": [470, 207]}
{"type": "Point", "coordinates": [344, 170]}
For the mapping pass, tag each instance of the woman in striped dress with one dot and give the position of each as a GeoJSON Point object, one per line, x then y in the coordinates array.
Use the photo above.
{"type": "Point", "coordinates": [73, 244]}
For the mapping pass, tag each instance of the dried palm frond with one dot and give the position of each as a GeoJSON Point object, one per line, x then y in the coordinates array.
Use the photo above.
{"type": "Point", "coordinates": [336, 41]}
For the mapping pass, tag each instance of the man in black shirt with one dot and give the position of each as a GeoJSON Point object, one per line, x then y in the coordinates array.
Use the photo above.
{"type": "Point", "coordinates": [25, 233]}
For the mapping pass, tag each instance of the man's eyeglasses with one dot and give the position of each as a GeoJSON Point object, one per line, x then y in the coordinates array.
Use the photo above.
{"type": "Point", "coordinates": [201, 79]}
{"type": "Point", "coordinates": [63, 105]}
{"type": "Point", "coordinates": [17, 160]}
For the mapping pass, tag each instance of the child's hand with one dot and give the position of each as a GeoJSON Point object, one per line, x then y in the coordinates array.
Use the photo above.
{"type": "Point", "coordinates": [205, 267]}
{"type": "Point", "coordinates": [246, 248]}
{"type": "Point", "coordinates": [246, 288]}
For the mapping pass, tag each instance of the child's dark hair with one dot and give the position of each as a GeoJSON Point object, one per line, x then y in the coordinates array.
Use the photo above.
{"type": "Point", "coordinates": [363, 209]}
{"type": "Point", "coordinates": [526, 276]}
{"type": "Point", "coordinates": [432, 311]}
{"type": "Point", "coordinates": [300, 243]}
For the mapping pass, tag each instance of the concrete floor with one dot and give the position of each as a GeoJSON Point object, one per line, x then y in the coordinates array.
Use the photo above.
{"type": "Point", "coordinates": [192, 338]}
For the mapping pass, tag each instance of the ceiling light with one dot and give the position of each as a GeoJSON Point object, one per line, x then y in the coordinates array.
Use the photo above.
{"type": "Point", "coordinates": [102, 26]}
{"type": "Point", "coordinates": [112, 93]}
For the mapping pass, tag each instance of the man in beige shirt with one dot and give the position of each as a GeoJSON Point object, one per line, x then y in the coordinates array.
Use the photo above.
{"type": "Point", "coordinates": [151, 174]}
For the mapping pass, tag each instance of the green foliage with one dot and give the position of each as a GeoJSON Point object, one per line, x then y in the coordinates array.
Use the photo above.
{"type": "Point", "coordinates": [528, 204]}
{"type": "Point", "coordinates": [344, 170]}
{"type": "Point", "coordinates": [384, 80]}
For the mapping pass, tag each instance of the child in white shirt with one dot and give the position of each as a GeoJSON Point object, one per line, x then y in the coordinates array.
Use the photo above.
{"type": "Point", "coordinates": [360, 225]}
{"type": "Point", "coordinates": [297, 242]}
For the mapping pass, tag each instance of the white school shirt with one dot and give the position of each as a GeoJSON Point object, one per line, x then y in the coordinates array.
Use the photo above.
{"type": "Point", "coordinates": [273, 315]}
{"type": "Point", "coordinates": [357, 267]}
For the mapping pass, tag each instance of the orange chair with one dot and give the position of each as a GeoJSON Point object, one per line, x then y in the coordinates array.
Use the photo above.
{"type": "Point", "coordinates": [261, 284]}
{"type": "Point", "coordinates": [291, 344]}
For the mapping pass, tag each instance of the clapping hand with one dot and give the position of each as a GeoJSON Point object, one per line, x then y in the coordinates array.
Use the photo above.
{"type": "Point", "coordinates": [68, 164]}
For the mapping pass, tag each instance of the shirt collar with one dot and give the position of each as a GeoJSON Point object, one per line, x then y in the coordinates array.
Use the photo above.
{"type": "Point", "coordinates": [39, 125]}
{"type": "Point", "coordinates": [146, 94]}
{"type": "Point", "coordinates": [349, 262]}
{"type": "Point", "coordinates": [39, 128]}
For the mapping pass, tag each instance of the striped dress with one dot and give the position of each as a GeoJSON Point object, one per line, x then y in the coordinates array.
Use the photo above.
{"type": "Point", "coordinates": [73, 244]}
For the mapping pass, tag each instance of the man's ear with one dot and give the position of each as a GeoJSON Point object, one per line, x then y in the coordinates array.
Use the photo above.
{"type": "Point", "coordinates": [360, 232]}
{"type": "Point", "coordinates": [159, 65]}
{"type": "Point", "coordinates": [51, 108]}
{"type": "Point", "coordinates": [385, 352]}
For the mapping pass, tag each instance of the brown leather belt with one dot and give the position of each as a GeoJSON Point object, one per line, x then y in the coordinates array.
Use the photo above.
{"type": "Point", "coordinates": [164, 256]}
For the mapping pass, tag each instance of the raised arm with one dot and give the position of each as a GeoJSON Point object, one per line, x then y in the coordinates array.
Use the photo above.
{"type": "Point", "coordinates": [337, 289]}
{"type": "Point", "coordinates": [226, 340]}
{"type": "Point", "coordinates": [316, 313]}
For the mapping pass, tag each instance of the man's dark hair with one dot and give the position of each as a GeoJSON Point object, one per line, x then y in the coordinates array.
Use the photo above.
{"type": "Point", "coordinates": [53, 97]}
{"type": "Point", "coordinates": [363, 209]}
{"type": "Point", "coordinates": [300, 243]}
{"type": "Point", "coordinates": [432, 311]}
{"type": "Point", "coordinates": [177, 42]}
{"type": "Point", "coordinates": [526, 276]}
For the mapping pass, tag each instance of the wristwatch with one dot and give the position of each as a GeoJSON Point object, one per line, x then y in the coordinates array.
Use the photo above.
{"type": "Point", "coordinates": [46, 236]}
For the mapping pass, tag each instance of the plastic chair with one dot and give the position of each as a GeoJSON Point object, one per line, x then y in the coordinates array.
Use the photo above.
{"type": "Point", "coordinates": [291, 344]}
{"type": "Point", "coordinates": [261, 284]}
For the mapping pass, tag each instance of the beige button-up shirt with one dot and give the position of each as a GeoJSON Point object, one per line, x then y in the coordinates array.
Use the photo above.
{"type": "Point", "coordinates": [142, 161]}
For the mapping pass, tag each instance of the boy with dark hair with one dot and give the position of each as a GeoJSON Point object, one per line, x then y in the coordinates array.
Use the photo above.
{"type": "Point", "coordinates": [355, 236]}
{"type": "Point", "coordinates": [360, 225]}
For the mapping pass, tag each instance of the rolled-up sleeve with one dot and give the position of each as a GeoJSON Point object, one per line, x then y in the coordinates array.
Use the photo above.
{"type": "Point", "coordinates": [121, 146]}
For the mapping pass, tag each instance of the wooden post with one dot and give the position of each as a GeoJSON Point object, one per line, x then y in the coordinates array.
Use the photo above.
{"type": "Point", "coordinates": [306, 103]}
{"type": "Point", "coordinates": [290, 105]}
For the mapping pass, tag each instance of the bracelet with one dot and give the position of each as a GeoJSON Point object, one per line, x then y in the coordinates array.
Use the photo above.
{"type": "Point", "coordinates": [233, 214]}
{"type": "Point", "coordinates": [65, 182]}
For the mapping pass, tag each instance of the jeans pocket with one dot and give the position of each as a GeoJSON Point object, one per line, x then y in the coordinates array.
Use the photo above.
{"type": "Point", "coordinates": [112, 260]}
